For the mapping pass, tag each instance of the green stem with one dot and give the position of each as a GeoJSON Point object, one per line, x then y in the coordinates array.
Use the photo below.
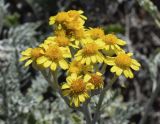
{"type": "Point", "coordinates": [102, 95]}
{"type": "Point", "coordinates": [86, 113]}
{"type": "Point", "coordinates": [103, 69]}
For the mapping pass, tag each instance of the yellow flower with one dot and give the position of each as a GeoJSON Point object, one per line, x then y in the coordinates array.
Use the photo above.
{"type": "Point", "coordinates": [96, 33]}
{"type": "Point", "coordinates": [74, 14]}
{"type": "Point", "coordinates": [31, 54]}
{"type": "Point", "coordinates": [112, 42]}
{"type": "Point", "coordinates": [97, 80]}
{"type": "Point", "coordinates": [54, 56]}
{"type": "Point", "coordinates": [90, 53]}
{"type": "Point", "coordinates": [123, 63]}
{"type": "Point", "coordinates": [60, 18]}
{"type": "Point", "coordinates": [77, 87]}
{"type": "Point", "coordinates": [72, 20]}
{"type": "Point", "coordinates": [60, 32]}
{"type": "Point", "coordinates": [77, 36]}
{"type": "Point", "coordinates": [79, 68]}
{"type": "Point", "coordinates": [61, 41]}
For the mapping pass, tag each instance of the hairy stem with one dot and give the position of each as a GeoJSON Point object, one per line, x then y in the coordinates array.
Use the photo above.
{"type": "Point", "coordinates": [102, 95]}
{"type": "Point", "coordinates": [86, 113]}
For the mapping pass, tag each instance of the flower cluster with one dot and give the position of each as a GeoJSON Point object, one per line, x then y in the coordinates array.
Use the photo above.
{"type": "Point", "coordinates": [81, 52]}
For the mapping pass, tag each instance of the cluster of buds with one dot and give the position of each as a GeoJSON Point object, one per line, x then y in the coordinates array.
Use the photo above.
{"type": "Point", "coordinates": [81, 52]}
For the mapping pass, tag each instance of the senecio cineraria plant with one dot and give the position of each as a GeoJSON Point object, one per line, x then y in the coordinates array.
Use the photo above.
{"type": "Point", "coordinates": [84, 53]}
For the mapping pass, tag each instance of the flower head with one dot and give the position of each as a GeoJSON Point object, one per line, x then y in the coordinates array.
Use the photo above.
{"type": "Point", "coordinates": [95, 33]}
{"type": "Point", "coordinates": [112, 42]}
{"type": "Point", "coordinates": [54, 56]}
{"type": "Point", "coordinates": [71, 20]}
{"type": "Point", "coordinates": [31, 54]}
{"type": "Point", "coordinates": [97, 80]}
{"type": "Point", "coordinates": [90, 52]}
{"type": "Point", "coordinates": [79, 68]}
{"type": "Point", "coordinates": [123, 63]}
{"type": "Point", "coordinates": [77, 88]}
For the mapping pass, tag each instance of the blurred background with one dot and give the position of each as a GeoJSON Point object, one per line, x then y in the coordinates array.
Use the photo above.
{"type": "Point", "coordinates": [25, 96]}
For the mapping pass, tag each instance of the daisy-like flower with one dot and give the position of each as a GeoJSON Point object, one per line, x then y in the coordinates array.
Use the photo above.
{"type": "Point", "coordinates": [90, 53]}
{"type": "Point", "coordinates": [77, 36]}
{"type": "Point", "coordinates": [96, 33]}
{"type": "Point", "coordinates": [113, 43]}
{"type": "Point", "coordinates": [54, 56]}
{"type": "Point", "coordinates": [97, 80]}
{"type": "Point", "coordinates": [77, 88]}
{"type": "Point", "coordinates": [72, 20]}
{"type": "Point", "coordinates": [30, 55]}
{"type": "Point", "coordinates": [79, 68]}
{"type": "Point", "coordinates": [61, 41]}
{"type": "Point", "coordinates": [123, 63]}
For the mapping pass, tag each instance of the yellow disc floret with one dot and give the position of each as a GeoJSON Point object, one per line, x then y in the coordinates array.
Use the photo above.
{"type": "Point", "coordinates": [96, 33]}
{"type": "Point", "coordinates": [90, 49]}
{"type": "Point", "coordinates": [110, 39]}
{"type": "Point", "coordinates": [97, 80]}
{"type": "Point", "coordinates": [36, 52]}
{"type": "Point", "coordinates": [62, 41]}
{"type": "Point", "coordinates": [123, 60]}
{"type": "Point", "coordinates": [77, 86]}
{"type": "Point", "coordinates": [123, 63]}
{"type": "Point", "coordinates": [54, 53]}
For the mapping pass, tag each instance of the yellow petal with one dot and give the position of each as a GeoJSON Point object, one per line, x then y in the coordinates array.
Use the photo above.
{"type": "Point", "coordinates": [126, 73]}
{"type": "Point", "coordinates": [109, 60]}
{"type": "Point", "coordinates": [130, 74]}
{"type": "Point", "coordinates": [88, 61]}
{"type": "Point", "coordinates": [98, 73]}
{"type": "Point", "coordinates": [135, 62]}
{"type": "Point", "coordinates": [66, 92]}
{"type": "Point", "coordinates": [87, 77]}
{"type": "Point", "coordinates": [73, 76]}
{"type": "Point", "coordinates": [53, 66]}
{"type": "Point", "coordinates": [65, 86]}
{"type": "Point", "coordinates": [47, 64]}
{"type": "Point", "coordinates": [76, 102]}
{"type": "Point", "coordinates": [93, 58]}
{"type": "Point", "coordinates": [107, 47]}
{"type": "Point", "coordinates": [78, 58]}
{"type": "Point", "coordinates": [119, 71]}
{"type": "Point", "coordinates": [99, 59]}
{"type": "Point", "coordinates": [28, 62]}
{"type": "Point", "coordinates": [24, 58]}
{"type": "Point", "coordinates": [81, 98]}
{"type": "Point", "coordinates": [63, 64]}
{"type": "Point", "coordinates": [66, 52]}
{"type": "Point", "coordinates": [41, 60]}
{"type": "Point", "coordinates": [89, 86]}
{"type": "Point", "coordinates": [121, 42]}
{"type": "Point", "coordinates": [114, 69]}
{"type": "Point", "coordinates": [134, 67]}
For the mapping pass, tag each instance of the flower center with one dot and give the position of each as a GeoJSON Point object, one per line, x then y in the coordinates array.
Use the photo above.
{"type": "Point", "coordinates": [96, 80]}
{"type": "Point", "coordinates": [61, 17]}
{"type": "Point", "coordinates": [110, 39]}
{"type": "Point", "coordinates": [96, 33]}
{"type": "Point", "coordinates": [62, 41]}
{"type": "Point", "coordinates": [90, 49]}
{"type": "Point", "coordinates": [73, 14]}
{"type": "Point", "coordinates": [35, 53]}
{"type": "Point", "coordinates": [75, 67]}
{"type": "Point", "coordinates": [123, 60]}
{"type": "Point", "coordinates": [79, 34]}
{"type": "Point", "coordinates": [54, 53]}
{"type": "Point", "coordinates": [78, 86]}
